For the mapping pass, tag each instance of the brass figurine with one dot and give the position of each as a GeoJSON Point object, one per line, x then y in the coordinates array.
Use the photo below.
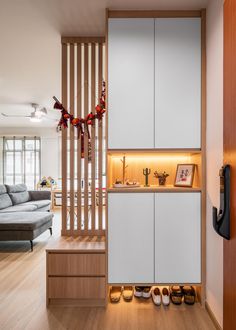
{"type": "Point", "coordinates": [146, 173]}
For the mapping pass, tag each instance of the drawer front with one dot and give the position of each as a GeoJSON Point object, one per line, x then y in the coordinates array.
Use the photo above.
{"type": "Point", "coordinates": [76, 288]}
{"type": "Point", "coordinates": [76, 264]}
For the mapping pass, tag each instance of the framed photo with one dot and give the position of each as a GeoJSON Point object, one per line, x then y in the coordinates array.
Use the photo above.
{"type": "Point", "coordinates": [184, 175]}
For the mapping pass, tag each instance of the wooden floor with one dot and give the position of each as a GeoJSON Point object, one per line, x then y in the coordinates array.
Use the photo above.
{"type": "Point", "coordinates": [22, 299]}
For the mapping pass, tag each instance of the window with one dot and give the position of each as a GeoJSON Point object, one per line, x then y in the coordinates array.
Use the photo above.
{"type": "Point", "coordinates": [21, 160]}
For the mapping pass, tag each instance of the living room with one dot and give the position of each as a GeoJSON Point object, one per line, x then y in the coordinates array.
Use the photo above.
{"type": "Point", "coordinates": [111, 141]}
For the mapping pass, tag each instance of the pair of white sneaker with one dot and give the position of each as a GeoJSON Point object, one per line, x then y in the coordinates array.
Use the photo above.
{"type": "Point", "coordinates": [158, 296]}
{"type": "Point", "coordinates": [142, 291]}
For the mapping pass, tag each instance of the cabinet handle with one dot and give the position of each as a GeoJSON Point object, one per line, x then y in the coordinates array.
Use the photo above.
{"type": "Point", "coordinates": [221, 222]}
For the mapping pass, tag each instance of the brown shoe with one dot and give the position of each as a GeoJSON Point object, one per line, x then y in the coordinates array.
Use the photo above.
{"type": "Point", "coordinates": [176, 294]}
{"type": "Point", "coordinates": [189, 295]}
{"type": "Point", "coordinates": [115, 294]}
{"type": "Point", "coordinates": [128, 293]}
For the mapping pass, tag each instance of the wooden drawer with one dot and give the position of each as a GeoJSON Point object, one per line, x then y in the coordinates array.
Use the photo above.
{"type": "Point", "coordinates": [76, 264]}
{"type": "Point", "coordinates": [76, 288]}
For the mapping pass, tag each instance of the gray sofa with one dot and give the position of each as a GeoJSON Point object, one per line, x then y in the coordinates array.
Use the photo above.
{"type": "Point", "coordinates": [24, 215]}
{"type": "Point", "coordinates": [16, 198]}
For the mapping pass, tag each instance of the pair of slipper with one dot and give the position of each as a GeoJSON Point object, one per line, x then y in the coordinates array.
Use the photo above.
{"type": "Point", "coordinates": [116, 291]}
{"type": "Point", "coordinates": [177, 293]}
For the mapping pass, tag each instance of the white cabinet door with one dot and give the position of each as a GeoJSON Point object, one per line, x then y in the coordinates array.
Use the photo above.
{"type": "Point", "coordinates": [130, 83]}
{"type": "Point", "coordinates": [178, 237]}
{"type": "Point", "coordinates": [177, 83]}
{"type": "Point", "coordinates": [131, 238]}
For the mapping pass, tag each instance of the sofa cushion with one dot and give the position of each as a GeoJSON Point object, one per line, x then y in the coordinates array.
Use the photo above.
{"type": "Point", "coordinates": [24, 220]}
{"type": "Point", "coordinates": [3, 189]}
{"type": "Point", "coordinates": [18, 193]}
{"type": "Point", "coordinates": [5, 200]}
{"type": "Point", "coordinates": [19, 197]}
{"type": "Point", "coordinates": [16, 188]}
{"type": "Point", "coordinates": [19, 208]}
{"type": "Point", "coordinates": [39, 204]}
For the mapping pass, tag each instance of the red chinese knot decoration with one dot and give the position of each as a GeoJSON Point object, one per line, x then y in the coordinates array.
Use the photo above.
{"type": "Point", "coordinates": [82, 123]}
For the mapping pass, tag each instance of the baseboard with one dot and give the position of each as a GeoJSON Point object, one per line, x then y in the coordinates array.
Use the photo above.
{"type": "Point", "coordinates": [212, 316]}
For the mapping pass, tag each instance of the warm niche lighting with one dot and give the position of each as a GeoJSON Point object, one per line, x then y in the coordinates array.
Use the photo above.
{"type": "Point", "coordinates": [151, 158]}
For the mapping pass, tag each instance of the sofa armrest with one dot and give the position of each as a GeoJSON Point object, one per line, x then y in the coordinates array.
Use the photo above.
{"type": "Point", "coordinates": [36, 195]}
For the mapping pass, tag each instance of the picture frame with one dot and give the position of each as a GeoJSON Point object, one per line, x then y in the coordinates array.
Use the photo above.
{"type": "Point", "coordinates": [184, 175]}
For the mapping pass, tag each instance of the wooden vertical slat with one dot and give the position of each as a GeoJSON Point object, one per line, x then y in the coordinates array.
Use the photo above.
{"type": "Point", "coordinates": [85, 138]}
{"type": "Point", "coordinates": [64, 141]}
{"type": "Point", "coordinates": [93, 160]}
{"type": "Point", "coordinates": [72, 149]}
{"type": "Point", "coordinates": [100, 142]}
{"type": "Point", "coordinates": [79, 140]}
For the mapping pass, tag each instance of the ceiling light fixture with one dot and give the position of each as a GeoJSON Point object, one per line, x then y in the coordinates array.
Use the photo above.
{"type": "Point", "coordinates": [40, 112]}
{"type": "Point", "coordinates": [35, 118]}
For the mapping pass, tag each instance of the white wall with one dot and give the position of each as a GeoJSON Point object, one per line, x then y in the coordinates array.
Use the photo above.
{"type": "Point", "coordinates": [30, 57]}
{"type": "Point", "coordinates": [50, 155]}
{"type": "Point", "coordinates": [214, 276]}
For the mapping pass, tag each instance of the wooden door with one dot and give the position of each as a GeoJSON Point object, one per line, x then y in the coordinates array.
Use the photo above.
{"type": "Point", "coordinates": [131, 83]}
{"type": "Point", "coordinates": [178, 83]}
{"type": "Point", "coordinates": [130, 238]}
{"type": "Point", "coordinates": [230, 158]}
{"type": "Point", "coordinates": [178, 237]}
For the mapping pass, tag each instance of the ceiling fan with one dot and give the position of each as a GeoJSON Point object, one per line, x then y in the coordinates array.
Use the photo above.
{"type": "Point", "coordinates": [36, 116]}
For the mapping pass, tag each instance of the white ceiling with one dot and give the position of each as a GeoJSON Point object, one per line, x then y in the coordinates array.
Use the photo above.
{"type": "Point", "coordinates": [87, 17]}
{"type": "Point", "coordinates": [30, 56]}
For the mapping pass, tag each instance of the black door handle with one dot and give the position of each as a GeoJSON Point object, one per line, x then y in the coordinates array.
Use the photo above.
{"type": "Point", "coordinates": [221, 222]}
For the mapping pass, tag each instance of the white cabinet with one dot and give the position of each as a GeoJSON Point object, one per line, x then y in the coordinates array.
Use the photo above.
{"type": "Point", "coordinates": [154, 237]}
{"type": "Point", "coordinates": [177, 83]}
{"type": "Point", "coordinates": [154, 83]}
{"type": "Point", "coordinates": [131, 83]}
{"type": "Point", "coordinates": [130, 238]}
{"type": "Point", "coordinates": [177, 238]}
{"type": "Point", "coordinates": [154, 101]}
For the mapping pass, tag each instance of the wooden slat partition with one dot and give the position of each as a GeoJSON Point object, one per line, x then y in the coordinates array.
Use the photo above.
{"type": "Point", "coordinates": [82, 76]}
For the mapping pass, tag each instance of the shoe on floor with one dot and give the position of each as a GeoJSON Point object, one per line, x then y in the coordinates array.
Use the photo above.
{"type": "Point", "coordinates": [147, 292]}
{"type": "Point", "coordinates": [138, 291]}
{"type": "Point", "coordinates": [128, 293]}
{"type": "Point", "coordinates": [189, 295]}
{"type": "Point", "coordinates": [165, 297]}
{"type": "Point", "coordinates": [176, 294]}
{"type": "Point", "coordinates": [156, 296]}
{"type": "Point", "coordinates": [115, 294]}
